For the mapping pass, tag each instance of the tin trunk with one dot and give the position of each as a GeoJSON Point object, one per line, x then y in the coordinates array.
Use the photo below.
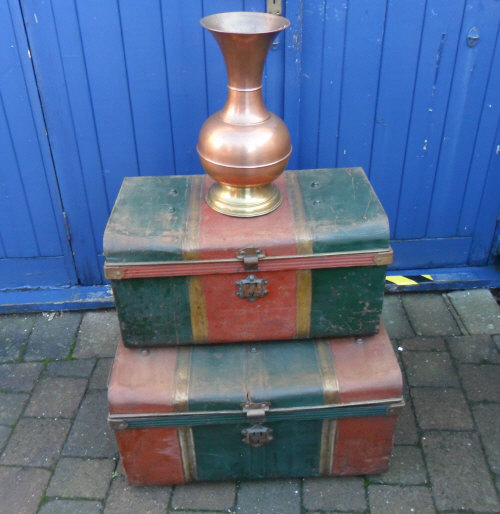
{"type": "Point", "coordinates": [255, 410]}
{"type": "Point", "coordinates": [182, 273]}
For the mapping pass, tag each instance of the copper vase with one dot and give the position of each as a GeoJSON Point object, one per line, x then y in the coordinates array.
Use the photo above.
{"type": "Point", "coordinates": [244, 147]}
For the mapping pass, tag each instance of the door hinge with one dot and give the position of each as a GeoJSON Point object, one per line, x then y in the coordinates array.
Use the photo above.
{"type": "Point", "coordinates": [66, 226]}
{"type": "Point", "coordinates": [274, 7]}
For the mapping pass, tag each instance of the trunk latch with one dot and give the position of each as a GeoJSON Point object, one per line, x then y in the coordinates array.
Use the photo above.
{"type": "Point", "coordinates": [250, 258]}
{"type": "Point", "coordinates": [257, 435]}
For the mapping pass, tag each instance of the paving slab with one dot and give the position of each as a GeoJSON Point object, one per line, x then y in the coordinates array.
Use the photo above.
{"type": "Point", "coordinates": [477, 349]}
{"type": "Point", "coordinates": [100, 376]}
{"type": "Point", "coordinates": [443, 409]}
{"type": "Point", "coordinates": [90, 435]}
{"type": "Point", "coordinates": [406, 467]}
{"type": "Point", "coordinates": [423, 344]}
{"type": "Point", "coordinates": [71, 507]}
{"type": "Point", "coordinates": [19, 377]}
{"type": "Point", "coordinates": [406, 427]}
{"type": "Point", "coordinates": [270, 496]}
{"type": "Point", "coordinates": [481, 382]}
{"type": "Point", "coordinates": [52, 336]}
{"type": "Point", "coordinates": [429, 315]}
{"type": "Point", "coordinates": [395, 319]}
{"type": "Point", "coordinates": [4, 435]}
{"type": "Point", "coordinates": [98, 335]}
{"type": "Point", "coordinates": [56, 397]}
{"type": "Point", "coordinates": [125, 499]}
{"type": "Point", "coordinates": [36, 442]}
{"type": "Point", "coordinates": [11, 407]}
{"type": "Point", "coordinates": [208, 496]}
{"type": "Point", "coordinates": [487, 418]}
{"type": "Point", "coordinates": [81, 478]}
{"type": "Point", "coordinates": [14, 332]}
{"type": "Point", "coordinates": [478, 310]}
{"type": "Point", "coordinates": [81, 368]}
{"type": "Point", "coordinates": [459, 475]}
{"type": "Point", "coordinates": [21, 489]}
{"type": "Point", "coordinates": [339, 493]}
{"type": "Point", "coordinates": [392, 499]}
{"type": "Point", "coordinates": [429, 369]}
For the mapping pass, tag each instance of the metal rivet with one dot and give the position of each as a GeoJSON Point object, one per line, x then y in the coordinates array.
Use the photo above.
{"type": "Point", "coordinates": [170, 209]}
{"type": "Point", "coordinates": [315, 185]}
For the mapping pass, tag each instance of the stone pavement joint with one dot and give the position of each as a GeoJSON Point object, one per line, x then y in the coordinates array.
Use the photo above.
{"type": "Point", "coordinates": [58, 455]}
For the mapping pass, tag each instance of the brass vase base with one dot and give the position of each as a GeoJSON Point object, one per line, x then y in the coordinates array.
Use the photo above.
{"type": "Point", "coordinates": [243, 202]}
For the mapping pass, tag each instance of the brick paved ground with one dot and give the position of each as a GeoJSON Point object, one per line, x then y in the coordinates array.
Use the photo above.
{"type": "Point", "coordinates": [57, 454]}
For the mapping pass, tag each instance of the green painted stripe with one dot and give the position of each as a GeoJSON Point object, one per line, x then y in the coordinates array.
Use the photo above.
{"type": "Point", "coordinates": [153, 312]}
{"type": "Point", "coordinates": [347, 301]}
{"type": "Point", "coordinates": [343, 211]}
{"type": "Point", "coordinates": [225, 377]}
{"type": "Point", "coordinates": [147, 221]}
{"type": "Point", "coordinates": [239, 418]}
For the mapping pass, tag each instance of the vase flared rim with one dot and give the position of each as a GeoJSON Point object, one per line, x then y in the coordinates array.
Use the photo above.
{"type": "Point", "coordinates": [245, 23]}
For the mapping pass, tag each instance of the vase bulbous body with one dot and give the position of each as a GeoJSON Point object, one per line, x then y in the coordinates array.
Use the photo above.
{"type": "Point", "coordinates": [244, 147]}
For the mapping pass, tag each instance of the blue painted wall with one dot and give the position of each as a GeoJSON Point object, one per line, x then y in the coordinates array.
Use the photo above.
{"type": "Point", "coordinates": [124, 87]}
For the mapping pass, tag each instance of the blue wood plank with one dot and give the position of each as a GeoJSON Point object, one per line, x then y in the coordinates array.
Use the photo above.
{"type": "Point", "coordinates": [430, 253]}
{"type": "Point", "coordinates": [33, 273]}
{"type": "Point", "coordinates": [435, 69]}
{"type": "Point", "coordinates": [293, 72]}
{"type": "Point", "coordinates": [313, 23]}
{"type": "Point", "coordinates": [363, 47]}
{"type": "Point", "coordinates": [90, 169]}
{"type": "Point", "coordinates": [24, 141]}
{"type": "Point", "coordinates": [186, 77]}
{"type": "Point", "coordinates": [57, 299]}
{"type": "Point", "coordinates": [146, 70]}
{"type": "Point", "coordinates": [3, 252]}
{"type": "Point", "coordinates": [15, 217]}
{"type": "Point", "coordinates": [101, 33]}
{"type": "Point", "coordinates": [470, 79]}
{"type": "Point", "coordinates": [331, 82]}
{"type": "Point", "coordinates": [480, 206]}
{"type": "Point", "coordinates": [489, 212]}
{"type": "Point", "coordinates": [402, 35]}
{"type": "Point", "coordinates": [42, 34]}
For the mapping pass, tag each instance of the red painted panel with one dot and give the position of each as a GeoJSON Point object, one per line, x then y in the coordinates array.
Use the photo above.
{"type": "Point", "coordinates": [222, 237]}
{"type": "Point", "coordinates": [151, 456]}
{"type": "Point", "coordinates": [139, 385]}
{"type": "Point", "coordinates": [368, 369]}
{"type": "Point", "coordinates": [363, 445]}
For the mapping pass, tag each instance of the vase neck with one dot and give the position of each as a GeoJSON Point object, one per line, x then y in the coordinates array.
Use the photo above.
{"type": "Point", "coordinates": [244, 107]}
{"type": "Point", "coordinates": [244, 55]}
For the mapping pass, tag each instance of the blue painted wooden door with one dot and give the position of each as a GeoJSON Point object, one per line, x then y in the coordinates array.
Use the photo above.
{"type": "Point", "coordinates": [34, 249]}
{"type": "Point", "coordinates": [396, 87]}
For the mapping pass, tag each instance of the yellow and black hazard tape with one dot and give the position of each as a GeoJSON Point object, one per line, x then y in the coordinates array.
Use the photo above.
{"type": "Point", "coordinates": [408, 280]}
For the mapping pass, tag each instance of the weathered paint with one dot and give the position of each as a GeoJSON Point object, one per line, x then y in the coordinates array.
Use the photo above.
{"type": "Point", "coordinates": [161, 226]}
{"type": "Point", "coordinates": [292, 374]}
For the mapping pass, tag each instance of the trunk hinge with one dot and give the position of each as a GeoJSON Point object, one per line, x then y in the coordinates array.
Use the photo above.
{"type": "Point", "coordinates": [255, 411]}
{"type": "Point", "coordinates": [250, 258]}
